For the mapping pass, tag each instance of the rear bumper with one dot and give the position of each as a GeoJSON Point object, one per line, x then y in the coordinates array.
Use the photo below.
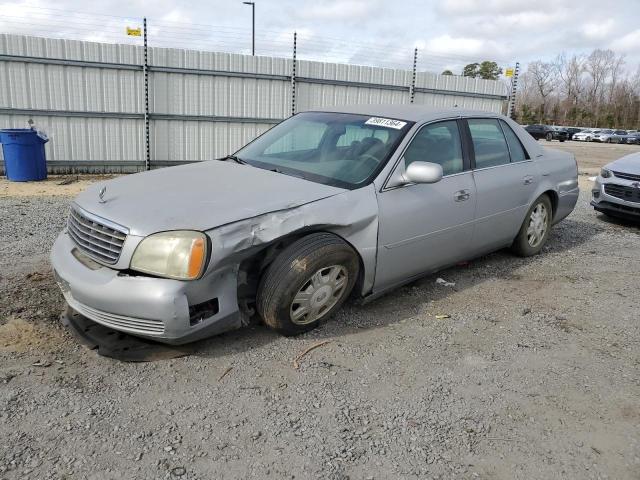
{"type": "Point", "coordinates": [566, 203]}
{"type": "Point", "coordinates": [156, 308]}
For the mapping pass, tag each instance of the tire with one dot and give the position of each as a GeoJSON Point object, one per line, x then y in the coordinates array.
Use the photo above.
{"type": "Point", "coordinates": [522, 245]}
{"type": "Point", "coordinates": [305, 270]}
{"type": "Point", "coordinates": [588, 139]}
{"type": "Point", "coordinates": [562, 140]}
{"type": "Point", "coordinates": [608, 140]}
{"type": "Point", "coordinates": [549, 137]}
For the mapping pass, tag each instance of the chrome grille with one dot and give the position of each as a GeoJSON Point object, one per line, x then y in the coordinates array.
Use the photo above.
{"type": "Point", "coordinates": [620, 191]}
{"type": "Point", "coordinates": [96, 237]}
{"type": "Point", "coordinates": [626, 176]}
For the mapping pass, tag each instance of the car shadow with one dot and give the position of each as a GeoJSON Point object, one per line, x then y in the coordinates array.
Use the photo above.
{"type": "Point", "coordinates": [403, 303]}
{"type": "Point", "coordinates": [620, 221]}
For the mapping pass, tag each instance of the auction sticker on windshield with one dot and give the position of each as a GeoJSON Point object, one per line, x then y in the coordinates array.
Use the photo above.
{"type": "Point", "coordinates": [385, 122]}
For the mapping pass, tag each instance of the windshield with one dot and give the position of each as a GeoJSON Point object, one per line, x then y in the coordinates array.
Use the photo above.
{"type": "Point", "coordinates": [339, 149]}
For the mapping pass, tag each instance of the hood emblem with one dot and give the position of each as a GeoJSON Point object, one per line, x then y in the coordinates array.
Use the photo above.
{"type": "Point", "coordinates": [101, 194]}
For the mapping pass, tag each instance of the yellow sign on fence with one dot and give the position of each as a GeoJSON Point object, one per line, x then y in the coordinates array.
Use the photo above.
{"type": "Point", "coordinates": [508, 72]}
{"type": "Point", "coordinates": [134, 32]}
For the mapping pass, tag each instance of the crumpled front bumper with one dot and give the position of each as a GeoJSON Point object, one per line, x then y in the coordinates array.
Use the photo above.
{"type": "Point", "coordinates": [161, 309]}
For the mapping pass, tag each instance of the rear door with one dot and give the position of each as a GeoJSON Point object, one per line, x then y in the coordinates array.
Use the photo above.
{"type": "Point", "coordinates": [505, 179]}
{"type": "Point", "coordinates": [427, 226]}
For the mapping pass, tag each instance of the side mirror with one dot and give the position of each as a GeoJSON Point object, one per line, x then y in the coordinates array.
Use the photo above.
{"type": "Point", "coordinates": [423, 172]}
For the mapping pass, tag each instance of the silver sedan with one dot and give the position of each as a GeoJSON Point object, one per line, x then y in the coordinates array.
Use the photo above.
{"type": "Point", "coordinates": [327, 204]}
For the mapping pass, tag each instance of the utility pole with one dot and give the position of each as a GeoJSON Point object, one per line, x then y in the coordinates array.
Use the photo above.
{"type": "Point", "coordinates": [253, 26]}
{"type": "Point", "coordinates": [514, 89]}
{"type": "Point", "coordinates": [145, 72]}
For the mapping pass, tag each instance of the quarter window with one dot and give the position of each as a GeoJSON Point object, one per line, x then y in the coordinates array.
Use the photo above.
{"type": "Point", "coordinates": [437, 143]}
{"type": "Point", "coordinates": [489, 144]}
{"type": "Point", "coordinates": [518, 153]}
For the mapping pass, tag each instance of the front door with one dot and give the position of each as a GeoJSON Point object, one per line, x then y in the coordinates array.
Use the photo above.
{"type": "Point", "coordinates": [424, 227]}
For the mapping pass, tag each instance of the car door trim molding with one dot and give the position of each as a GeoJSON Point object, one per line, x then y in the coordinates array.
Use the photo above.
{"type": "Point", "coordinates": [408, 241]}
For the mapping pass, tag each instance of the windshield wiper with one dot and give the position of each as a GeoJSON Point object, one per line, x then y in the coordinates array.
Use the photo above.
{"type": "Point", "coordinates": [234, 158]}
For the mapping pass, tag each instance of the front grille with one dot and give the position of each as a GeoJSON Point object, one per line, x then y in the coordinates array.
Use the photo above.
{"type": "Point", "coordinates": [96, 237]}
{"type": "Point", "coordinates": [626, 176]}
{"type": "Point", "coordinates": [630, 194]}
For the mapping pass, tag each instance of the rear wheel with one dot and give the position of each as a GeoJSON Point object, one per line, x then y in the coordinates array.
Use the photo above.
{"type": "Point", "coordinates": [535, 229]}
{"type": "Point", "coordinates": [307, 283]}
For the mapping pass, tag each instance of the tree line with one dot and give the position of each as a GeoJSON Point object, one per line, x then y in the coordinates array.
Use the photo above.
{"type": "Point", "coordinates": [594, 90]}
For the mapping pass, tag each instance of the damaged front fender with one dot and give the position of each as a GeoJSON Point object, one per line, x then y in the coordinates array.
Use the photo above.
{"type": "Point", "coordinates": [352, 215]}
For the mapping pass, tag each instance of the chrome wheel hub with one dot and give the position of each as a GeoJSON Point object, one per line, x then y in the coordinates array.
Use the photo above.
{"type": "Point", "coordinates": [318, 294]}
{"type": "Point", "coordinates": [538, 224]}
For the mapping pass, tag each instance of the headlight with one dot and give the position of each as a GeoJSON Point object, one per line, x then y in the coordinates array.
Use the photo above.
{"type": "Point", "coordinates": [605, 173]}
{"type": "Point", "coordinates": [180, 254]}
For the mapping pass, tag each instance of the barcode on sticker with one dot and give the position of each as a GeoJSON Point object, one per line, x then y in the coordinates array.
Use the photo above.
{"type": "Point", "coordinates": [385, 122]}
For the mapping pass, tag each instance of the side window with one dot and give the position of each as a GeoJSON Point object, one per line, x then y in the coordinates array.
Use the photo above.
{"type": "Point", "coordinates": [518, 154]}
{"type": "Point", "coordinates": [437, 143]}
{"type": "Point", "coordinates": [489, 144]}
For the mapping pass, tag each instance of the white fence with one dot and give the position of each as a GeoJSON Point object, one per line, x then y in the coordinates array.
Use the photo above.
{"type": "Point", "coordinates": [90, 98]}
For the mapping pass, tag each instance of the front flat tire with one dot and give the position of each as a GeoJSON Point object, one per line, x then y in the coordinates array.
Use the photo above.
{"type": "Point", "coordinates": [307, 283]}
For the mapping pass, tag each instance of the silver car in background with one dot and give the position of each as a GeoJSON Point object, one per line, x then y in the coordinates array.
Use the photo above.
{"type": "Point", "coordinates": [616, 191]}
{"type": "Point", "coordinates": [585, 135]}
{"type": "Point", "coordinates": [602, 136]}
{"type": "Point", "coordinates": [345, 201]}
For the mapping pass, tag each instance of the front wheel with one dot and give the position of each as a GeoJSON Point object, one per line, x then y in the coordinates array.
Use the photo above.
{"type": "Point", "coordinates": [549, 137]}
{"type": "Point", "coordinates": [535, 229]}
{"type": "Point", "coordinates": [307, 283]}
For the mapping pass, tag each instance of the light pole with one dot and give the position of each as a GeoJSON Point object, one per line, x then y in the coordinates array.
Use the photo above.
{"type": "Point", "coordinates": [253, 26]}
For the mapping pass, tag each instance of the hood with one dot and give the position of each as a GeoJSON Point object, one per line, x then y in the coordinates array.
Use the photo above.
{"type": "Point", "coordinates": [199, 196]}
{"type": "Point", "coordinates": [627, 164]}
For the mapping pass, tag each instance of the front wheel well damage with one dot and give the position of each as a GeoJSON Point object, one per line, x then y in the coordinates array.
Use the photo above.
{"type": "Point", "coordinates": [252, 268]}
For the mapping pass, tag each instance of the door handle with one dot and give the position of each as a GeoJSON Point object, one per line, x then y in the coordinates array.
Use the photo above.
{"type": "Point", "coordinates": [528, 180]}
{"type": "Point", "coordinates": [461, 195]}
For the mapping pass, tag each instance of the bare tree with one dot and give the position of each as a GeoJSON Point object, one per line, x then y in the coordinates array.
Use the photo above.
{"type": "Point", "coordinates": [595, 90]}
{"type": "Point", "coordinates": [544, 79]}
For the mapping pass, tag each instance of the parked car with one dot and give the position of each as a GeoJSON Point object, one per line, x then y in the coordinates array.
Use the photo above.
{"type": "Point", "coordinates": [603, 136]}
{"type": "Point", "coordinates": [358, 199]}
{"type": "Point", "coordinates": [585, 135]}
{"type": "Point", "coordinates": [548, 133]}
{"type": "Point", "coordinates": [616, 191]}
{"type": "Point", "coordinates": [571, 131]}
{"type": "Point", "coordinates": [619, 136]}
{"type": "Point", "coordinates": [633, 138]}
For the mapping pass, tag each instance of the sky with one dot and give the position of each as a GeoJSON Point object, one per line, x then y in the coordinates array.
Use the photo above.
{"type": "Point", "coordinates": [447, 33]}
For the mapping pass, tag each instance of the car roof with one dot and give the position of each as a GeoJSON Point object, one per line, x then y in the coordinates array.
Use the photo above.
{"type": "Point", "coordinates": [413, 113]}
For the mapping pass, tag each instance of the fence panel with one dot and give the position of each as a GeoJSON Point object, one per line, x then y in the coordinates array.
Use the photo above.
{"type": "Point", "coordinates": [89, 97]}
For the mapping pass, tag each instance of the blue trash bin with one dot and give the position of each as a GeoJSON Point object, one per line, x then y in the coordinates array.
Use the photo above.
{"type": "Point", "coordinates": [24, 157]}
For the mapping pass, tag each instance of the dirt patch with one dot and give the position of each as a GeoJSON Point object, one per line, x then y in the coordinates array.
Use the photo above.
{"type": "Point", "coordinates": [20, 336]}
{"type": "Point", "coordinates": [592, 156]}
{"type": "Point", "coordinates": [55, 185]}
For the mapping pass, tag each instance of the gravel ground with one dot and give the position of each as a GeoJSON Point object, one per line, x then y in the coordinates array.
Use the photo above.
{"type": "Point", "coordinates": [534, 374]}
